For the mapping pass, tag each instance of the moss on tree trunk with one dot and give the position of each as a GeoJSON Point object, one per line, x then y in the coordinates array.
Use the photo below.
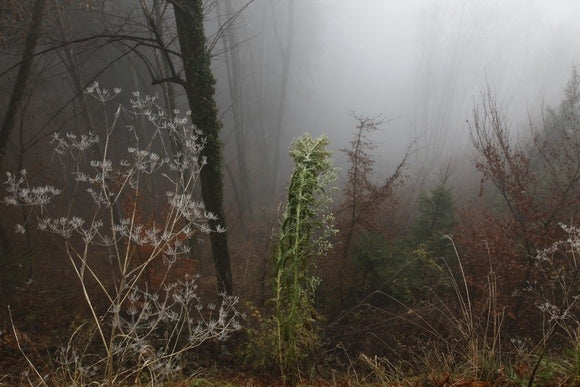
{"type": "Point", "coordinates": [200, 92]}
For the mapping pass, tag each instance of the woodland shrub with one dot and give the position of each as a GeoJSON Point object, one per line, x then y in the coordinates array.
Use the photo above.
{"type": "Point", "coordinates": [370, 254]}
{"type": "Point", "coordinates": [400, 270]}
{"type": "Point", "coordinates": [142, 323]}
{"type": "Point", "coordinates": [535, 182]}
{"type": "Point", "coordinates": [360, 219]}
{"type": "Point", "coordinates": [456, 341]}
{"type": "Point", "coordinates": [556, 293]}
{"type": "Point", "coordinates": [404, 268]}
{"type": "Point", "coordinates": [362, 196]}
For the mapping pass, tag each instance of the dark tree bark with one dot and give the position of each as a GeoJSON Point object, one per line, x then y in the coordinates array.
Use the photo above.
{"type": "Point", "coordinates": [200, 90]}
{"type": "Point", "coordinates": [19, 87]}
{"type": "Point", "coordinates": [23, 74]}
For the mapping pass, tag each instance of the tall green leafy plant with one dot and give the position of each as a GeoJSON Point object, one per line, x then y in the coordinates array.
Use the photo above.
{"type": "Point", "coordinates": [303, 235]}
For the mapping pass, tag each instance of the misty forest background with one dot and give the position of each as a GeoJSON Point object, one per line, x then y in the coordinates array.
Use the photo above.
{"type": "Point", "coordinates": [166, 219]}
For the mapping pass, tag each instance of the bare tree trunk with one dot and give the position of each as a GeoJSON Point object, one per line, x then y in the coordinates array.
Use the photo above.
{"type": "Point", "coordinates": [260, 140]}
{"type": "Point", "coordinates": [161, 63]}
{"type": "Point", "coordinates": [286, 53]}
{"type": "Point", "coordinates": [199, 87]}
{"type": "Point", "coordinates": [24, 71]}
{"type": "Point", "coordinates": [232, 58]}
{"type": "Point", "coordinates": [23, 75]}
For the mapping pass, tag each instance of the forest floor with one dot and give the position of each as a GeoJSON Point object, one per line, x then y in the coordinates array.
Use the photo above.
{"type": "Point", "coordinates": [40, 334]}
{"type": "Point", "coordinates": [373, 345]}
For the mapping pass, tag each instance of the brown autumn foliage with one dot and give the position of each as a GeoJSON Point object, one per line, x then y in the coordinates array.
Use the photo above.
{"type": "Point", "coordinates": [537, 186]}
{"type": "Point", "coordinates": [485, 245]}
{"type": "Point", "coordinates": [538, 181]}
{"type": "Point", "coordinates": [363, 208]}
{"type": "Point", "coordinates": [158, 272]}
{"type": "Point", "coordinates": [362, 196]}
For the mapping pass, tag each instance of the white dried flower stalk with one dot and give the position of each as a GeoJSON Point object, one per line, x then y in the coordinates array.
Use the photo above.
{"type": "Point", "coordinates": [143, 331]}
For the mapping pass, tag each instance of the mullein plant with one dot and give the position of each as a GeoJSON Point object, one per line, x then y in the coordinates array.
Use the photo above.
{"type": "Point", "coordinates": [304, 234]}
{"type": "Point", "coordinates": [144, 332]}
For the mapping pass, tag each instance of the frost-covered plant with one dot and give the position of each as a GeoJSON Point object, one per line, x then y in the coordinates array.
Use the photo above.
{"type": "Point", "coordinates": [557, 295]}
{"type": "Point", "coordinates": [557, 288]}
{"type": "Point", "coordinates": [153, 330]}
{"type": "Point", "coordinates": [21, 194]}
{"type": "Point", "coordinates": [112, 220]}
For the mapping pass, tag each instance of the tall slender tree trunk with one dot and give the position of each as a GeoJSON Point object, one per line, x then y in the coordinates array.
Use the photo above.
{"type": "Point", "coordinates": [19, 88]}
{"type": "Point", "coordinates": [260, 140]}
{"type": "Point", "coordinates": [23, 75]}
{"type": "Point", "coordinates": [232, 58]}
{"type": "Point", "coordinates": [199, 87]}
{"type": "Point", "coordinates": [286, 53]}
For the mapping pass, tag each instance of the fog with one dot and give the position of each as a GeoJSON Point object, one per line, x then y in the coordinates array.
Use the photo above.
{"type": "Point", "coordinates": [144, 151]}
{"type": "Point", "coordinates": [310, 65]}
{"type": "Point", "coordinates": [422, 65]}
